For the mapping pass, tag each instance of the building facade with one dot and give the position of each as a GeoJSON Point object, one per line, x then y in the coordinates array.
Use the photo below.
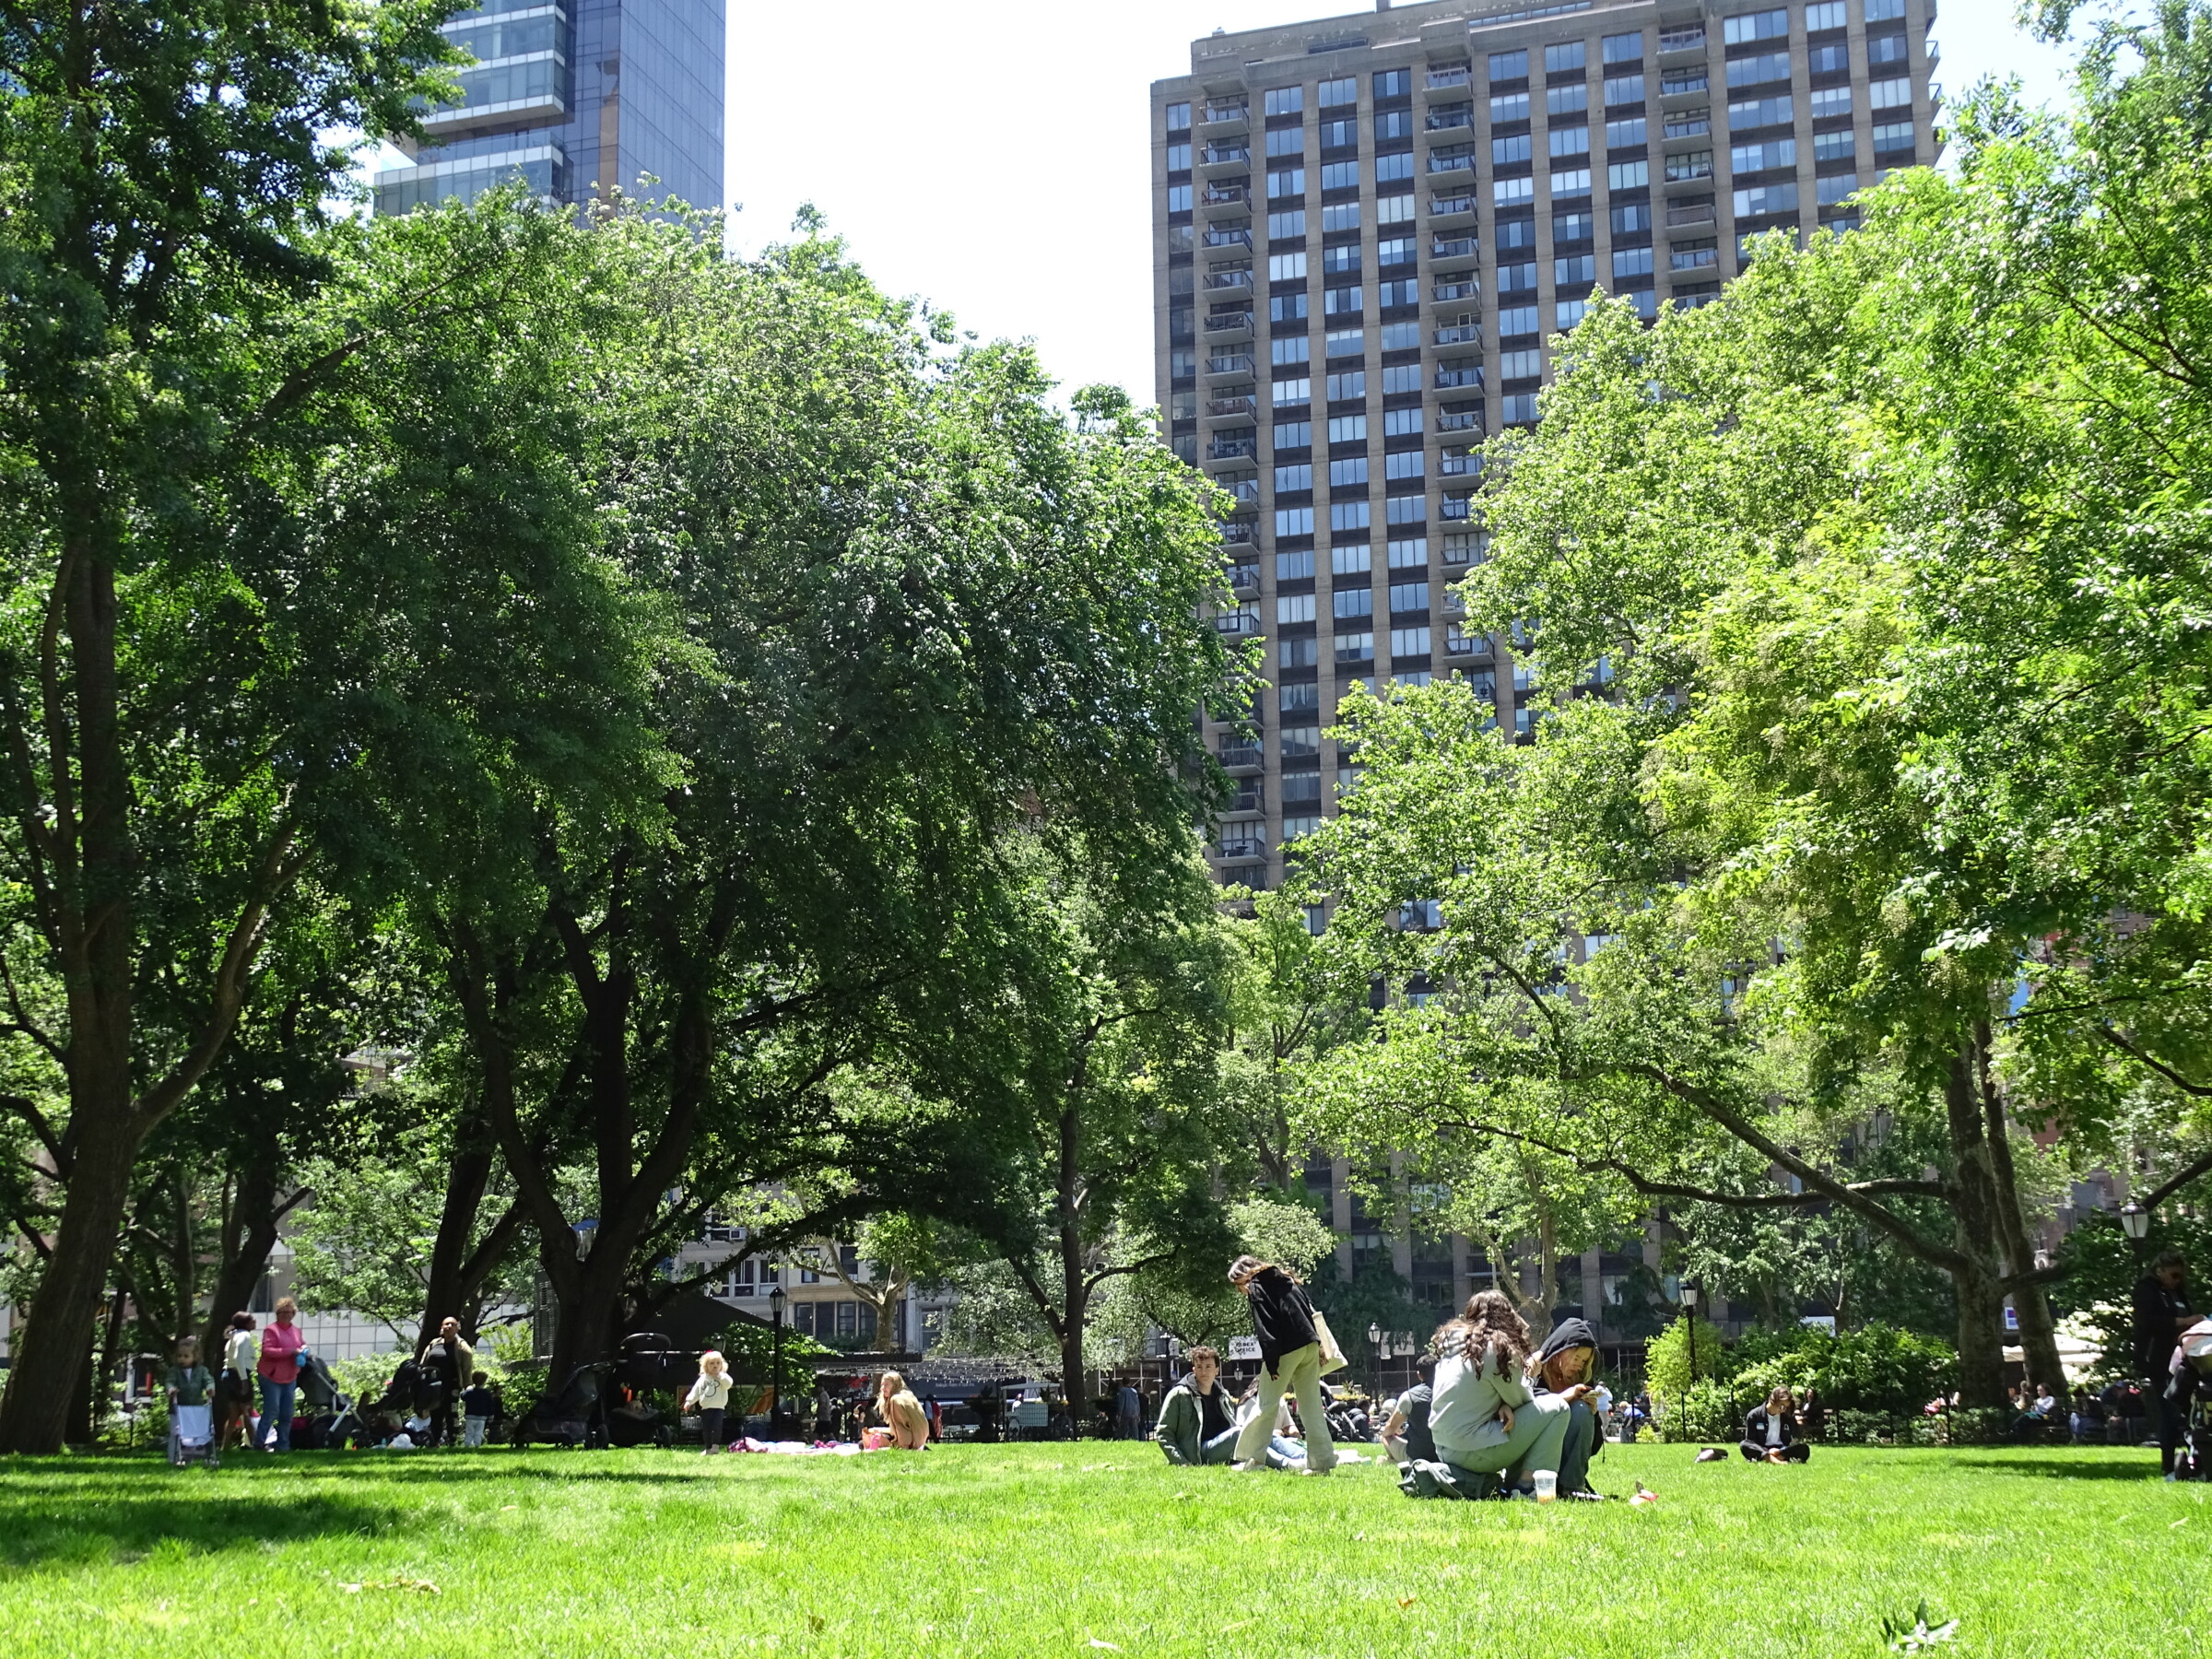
{"type": "Point", "coordinates": [576, 98]}
{"type": "Point", "coordinates": [1365, 231]}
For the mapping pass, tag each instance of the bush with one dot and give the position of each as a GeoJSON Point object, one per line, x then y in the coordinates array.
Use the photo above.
{"type": "Point", "coordinates": [1706, 1411]}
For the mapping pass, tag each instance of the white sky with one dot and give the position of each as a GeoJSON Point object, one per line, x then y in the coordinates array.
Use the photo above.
{"type": "Point", "coordinates": [991, 156]}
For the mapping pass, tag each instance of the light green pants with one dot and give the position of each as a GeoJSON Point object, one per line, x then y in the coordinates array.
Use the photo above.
{"type": "Point", "coordinates": [1300, 1372]}
{"type": "Point", "coordinates": [1538, 1437]}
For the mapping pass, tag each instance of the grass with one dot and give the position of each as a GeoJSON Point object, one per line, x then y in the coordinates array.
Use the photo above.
{"type": "Point", "coordinates": [1064, 1549]}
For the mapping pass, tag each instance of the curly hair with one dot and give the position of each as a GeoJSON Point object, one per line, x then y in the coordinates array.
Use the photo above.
{"type": "Point", "coordinates": [1487, 1322]}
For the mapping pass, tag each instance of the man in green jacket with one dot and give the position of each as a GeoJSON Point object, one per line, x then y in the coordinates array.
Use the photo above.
{"type": "Point", "coordinates": [1199, 1420]}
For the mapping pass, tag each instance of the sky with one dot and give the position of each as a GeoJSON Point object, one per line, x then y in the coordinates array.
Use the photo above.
{"type": "Point", "coordinates": [991, 156]}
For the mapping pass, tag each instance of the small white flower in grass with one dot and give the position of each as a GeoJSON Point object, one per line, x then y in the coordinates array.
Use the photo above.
{"type": "Point", "coordinates": [1097, 1644]}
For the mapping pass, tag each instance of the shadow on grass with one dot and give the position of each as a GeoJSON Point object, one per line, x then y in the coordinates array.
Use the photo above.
{"type": "Point", "coordinates": [2062, 1468]}
{"type": "Point", "coordinates": [44, 1533]}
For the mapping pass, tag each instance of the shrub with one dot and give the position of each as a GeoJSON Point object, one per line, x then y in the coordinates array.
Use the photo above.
{"type": "Point", "coordinates": [1706, 1411]}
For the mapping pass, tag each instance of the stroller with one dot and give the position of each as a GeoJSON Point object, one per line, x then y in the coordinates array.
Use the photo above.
{"type": "Point", "coordinates": [575, 1415]}
{"type": "Point", "coordinates": [2191, 1384]}
{"type": "Point", "coordinates": [192, 1435]}
{"type": "Point", "coordinates": [326, 1416]}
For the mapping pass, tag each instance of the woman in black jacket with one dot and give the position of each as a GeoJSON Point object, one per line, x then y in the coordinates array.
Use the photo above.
{"type": "Point", "coordinates": [1282, 1318]}
{"type": "Point", "coordinates": [1770, 1432]}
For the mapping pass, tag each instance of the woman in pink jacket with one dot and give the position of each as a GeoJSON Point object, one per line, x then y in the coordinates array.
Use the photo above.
{"type": "Point", "coordinates": [279, 1372]}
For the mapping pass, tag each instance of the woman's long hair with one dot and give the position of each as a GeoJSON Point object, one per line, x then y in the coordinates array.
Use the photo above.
{"type": "Point", "coordinates": [1489, 1322]}
{"type": "Point", "coordinates": [1246, 1267]}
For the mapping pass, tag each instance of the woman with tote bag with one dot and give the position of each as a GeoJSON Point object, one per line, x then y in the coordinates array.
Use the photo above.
{"type": "Point", "coordinates": [1291, 1358]}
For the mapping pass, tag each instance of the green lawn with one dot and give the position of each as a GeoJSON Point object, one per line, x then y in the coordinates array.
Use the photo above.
{"type": "Point", "coordinates": [1032, 1550]}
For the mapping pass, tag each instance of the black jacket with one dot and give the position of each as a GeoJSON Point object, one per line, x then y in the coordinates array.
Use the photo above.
{"type": "Point", "coordinates": [2157, 1308]}
{"type": "Point", "coordinates": [1755, 1428]}
{"type": "Point", "coordinates": [1281, 1316]}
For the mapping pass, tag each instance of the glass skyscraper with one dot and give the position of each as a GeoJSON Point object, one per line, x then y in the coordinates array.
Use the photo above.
{"type": "Point", "coordinates": [576, 98]}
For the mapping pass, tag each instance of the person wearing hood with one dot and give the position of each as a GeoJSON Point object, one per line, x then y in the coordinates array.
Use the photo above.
{"type": "Point", "coordinates": [1566, 1365]}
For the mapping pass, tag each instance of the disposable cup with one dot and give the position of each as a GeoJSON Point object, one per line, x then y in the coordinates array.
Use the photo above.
{"type": "Point", "coordinates": [1548, 1484]}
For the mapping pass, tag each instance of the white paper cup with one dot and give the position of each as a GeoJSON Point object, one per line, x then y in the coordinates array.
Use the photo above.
{"type": "Point", "coordinates": [1548, 1484]}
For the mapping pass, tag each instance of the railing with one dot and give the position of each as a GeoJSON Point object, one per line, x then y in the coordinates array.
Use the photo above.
{"type": "Point", "coordinates": [1460, 334]}
{"type": "Point", "coordinates": [1241, 578]}
{"type": "Point", "coordinates": [1690, 123]}
{"type": "Point", "coordinates": [1240, 754]}
{"type": "Point", "coordinates": [1449, 116]}
{"type": "Point", "coordinates": [1233, 406]}
{"type": "Point", "coordinates": [1241, 848]}
{"type": "Point", "coordinates": [1459, 467]}
{"type": "Point", "coordinates": [1458, 290]}
{"type": "Point", "coordinates": [1459, 420]}
{"type": "Point", "coordinates": [1235, 363]}
{"type": "Point", "coordinates": [1689, 213]}
{"type": "Point", "coordinates": [1233, 448]}
{"type": "Point", "coordinates": [1451, 247]}
{"type": "Point", "coordinates": [1458, 157]}
{"type": "Point", "coordinates": [1215, 114]}
{"type": "Point", "coordinates": [1227, 236]}
{"type": "Point", "coordinates": [1447, 75]}
{"type": "Point", "coordinates": [1242, 489]}
{"type": "Point", "coordinates": [1219, 280]}
{"type": "Point", "coordinates": [1439, 207]}
{"type": "Point", "coordinates": [1677, 82]}
{"type": "Point", "coordinates": [1217, 195]}
{"type": "Point", "coordinates": [1230, 322]}
{"type": "Point", "coordinates": [1222, 155]}
{"type": "Point", "coordinates": [1447, 378]}
{"type": "Point", "coordinates": [1457, 508]}
{"type": "Point", "coordinates": [1238, 535]}
{"type": "Point", "coordinates": [1682, 39]}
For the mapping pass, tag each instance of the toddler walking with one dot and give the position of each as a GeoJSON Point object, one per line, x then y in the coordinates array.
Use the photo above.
{"type": "Point", "coordinates": [710, 1394]}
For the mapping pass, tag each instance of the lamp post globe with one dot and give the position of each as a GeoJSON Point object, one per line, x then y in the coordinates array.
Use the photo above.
{"type": "Point", "coordinates": [1688, 1293]}
{"type": "Point", "coordinates": [2135, 1221]}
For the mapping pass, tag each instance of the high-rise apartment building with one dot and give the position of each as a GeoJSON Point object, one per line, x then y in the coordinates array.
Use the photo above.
{"type": "Point", "coordinates": [1365, 231]}
{"type": "Point", "coordinates": [577, 98]}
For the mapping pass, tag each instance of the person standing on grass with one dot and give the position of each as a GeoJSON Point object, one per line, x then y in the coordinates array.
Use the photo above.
{"type": "Point", "coordinates": [1197, 1420]}
{"type": "Point", "coordinates": [2162, 1313]}
{"type": "Point", "coordinates": [710, 1394]}
{"type": "Point", "coordinates": [479, 1406]}
{"type": "Point", "coordinates": [281, 1346]}
{"type": "Point", "coordinates": [451, 1362]}
{"type": "Point", "coordinates": [1484, 1418]}
{"type": "Point", "coordinates": [901, 1413]}
{"type": "Point", "coordinates": [1282, 1318]}
{"type": "Point", "coordinates": [234, 1385]}
{"type": "Point", "coordinates": [1770, 1432]}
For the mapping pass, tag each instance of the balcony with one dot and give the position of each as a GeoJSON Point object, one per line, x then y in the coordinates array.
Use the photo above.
{"type": "Point", "coordinates": [1225, 155]}
{"type": "Point", "coordinates": [1240, 754]}
{"type": "Point", "coordinates": [1697, 213]}
{"type": "Point", "coordinates": [1450, 375]}
{"type": "Point", "coordinates": [1456, 508]}
{"type": "Point", "coordinates": [1234, 362]}
{"type": "Point", "coordinates": [1688, 123]}
{"type": "Point", "coordinates": [1230, 323]}
{"type": "Point", "coordinates": [1245, 448]}
{"type": "Point", "coordinates": [1244, 846]}
{"type": "Point", "coordinates": [1443, 76]}
{"type": "Point", "coordinates": [1684, 83]}
{"type": "Point", "coordinates": [1218, 282]}
{"type": "Point", "coordinates": [1459, 420]}
{"type": "Point", "coordinates": [1442, 118]}
{"type": "Point", "coordinates": [1449, 206]}
{"type": "Point", "coordinates": [1226, 192]}
{"type": "Point", "coordinates": [1227, 236]}
{"type": "Point", "coordinates": [1244, 579]}
{"type": "Point", "coordinates": [1243, 488]}
{"type": "Point", "coordinates": [1452, 158]}
{"type": "Point", "coordinates": [1460, 334]}
{"type": "Point", "coordinates": [1226, 114]}
{"type": "Point", "coordinates": [1453, 248]}
{"type": "Point", "coordinates": [1238, 535]}
{"type": "Point", "coordinates": [1249, 406]}
{"type": "Point", "coordinates": [1675, 42]}
{"type": "Point", "coordinates": [1469, 290]}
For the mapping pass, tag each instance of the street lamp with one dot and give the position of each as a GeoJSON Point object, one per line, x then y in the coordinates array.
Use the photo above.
{"type": "Point", "coordinates": [775, 1385]}
{"type": "Point", "coordinates": [1688, 1293]}
{"type": "Point", "coordinates": [2135, 1221]}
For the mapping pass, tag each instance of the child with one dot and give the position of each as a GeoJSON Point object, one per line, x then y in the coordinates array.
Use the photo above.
{"type": "Point", "coordinates": [479, 1406]}
{"type": "Point", "coordinates": [710, 1394]}
{"type": "Point", "coordinates": [189, 1384]}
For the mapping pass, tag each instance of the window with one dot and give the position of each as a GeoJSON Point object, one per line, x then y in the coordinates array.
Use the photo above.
{"type": "Point", "coordinates": [1692, 255]}
{"type": "Point", "coordinates": [1829, 60]}
{"type": "Point", "coordinates": [1393, 250]}
{"type": "Point", "coordinates": [1294, 608]}
{"type": "Point", "coordinates": [1826, 102]}
{"type": "Point", "coordinates": [1294, 567]}
{"type": "Point", "coordinates": [1393, 123]}
{"type": "Point", "coordinates": [1179, 157]}
{"type": "Point", "coordinates": [1409, 641]}
{"type": "Point", "coordinates": [1520, 365]}
{"type": "Point", "coordinates": [1403, 423]}
{"type": "Point", "coordinates": [1753, 71]}
{"type": "Point", "coordinates": [1352, 383]}
{"type": "Point", "coordinates": [1894, 135]}
{"type": "Point", "coordinates": [1757, 158]}
{"type": "Point", "coordinates": [1393, 170]}
{"type": "Point", "coordinates": [1517, 279]}
{"type": "Point", "coordinates": [1355, 647]}
{"type": "Point", "coordinates": [1286, 307]}
{"type": "Point", "coordinates": [1574, 183]}
{"type": "Point", "coordinates": [1336, 92]}
{"type": "Point", "coordinates": [1280, 224]}
{"type": "Point", "coordinates": [1569, 141]}
{"type": "Point", "coordinates": [1340, 176]}
{"type": "Point", "coordinates": [1410, 553]}
{"type": "Point", "coordinates": [1287, 141]}
{"type": "Point", "coordinates": [1690, 123]}
{"type": "Point", "coordinates": [1407, 509]}
{"type": "Point", "coordinates": [1406, 465]}
{"type": "Point", "coordinates": [1299, 476]}
{"type": "Point", "coordinates": [1568, 100]}
{"type": "Point", "coordinates": [1828, 191]}
{"type": "Point", "coordinates": [1889, 95]}
{"type": "Point", "coordinates": [1409, 596]}
{"type": "Point", "coordinates": [1355, 560]}
{"type": "Point", "coordinates": [1466, 546]}
{"type": "Point", "coordinates": [1884, 50]}
{"type": "Point", "coordinates": [1632, 262]}
{"type": "Point", "coordinates": [1516, 233]}
{"type": "Point", "coordinates": [1285, 100]}
{"type": "Point", "coordinates": [1294, 521]}
{"type": "Point", "coordinates": [1621, 134]}
{"type": "Point", "coordinates": [1179, 118]}
{"type": "Point", "coordinates": [1403, 377]}
{"type": "Point", "coordinates": [1286, 267]}
{"type": "Point", "coordinates": [1182, 363]}
{"type": "Point", "coordinates": [1573, 226]}
{"type": "Point", "coordinates": [1624, 89]}
{"type": "Point", "coordinates": [1394, 83]}
{"type": "Point", "coordinates": [1347, 428]}
{"type": "Point", "coordinates": [1297, 654]}
{"type": "Point", "coordinates": [1346, 342]}
{"type": "Point", "coordinates": [1574, 271]}
{"type": "Point", "coordinates": [1881, 11]}
{"type": "Point", "coordinates": [1505, 151]}
{"type": "Point", "coordinates": [1292, 350]}
{"type": "Point", "coordinates": [1570, 312]}
{"type": "Point", "coordinates": [1348, 515]}
{"type": "Point", "coordinates": [1771, 111]}
{"type": "Point", "coordinates": [1505, 191]}
{"type": "Point", "coordinates": [1338, 135]}
{"type": "Point", "coordinates": [1401, 336]}
{"type": "Point", "coordinates": [1393, 210]}
{"type": "Point", "coordinates": [1832, 147]}
{"type": "Point", "coordinates": [1297, 391]}
{"type": "Point", "coordinates": [1567, 54]}
{"type": "Point", "coordinates": [1825, 14]}
{"type": "Point", "coordinates": [1516, 320]}
{"type": "Point", "coordinates": [1509, 107]}
{"type": "Point", "coordinates": [1340, 262]}
{"type": "Point", "coordinates": [1628, 175]}
{"type": "Point", "coordinates": [1350, 471]}
{"type": "Point", "coordinates": [1756, 26]}
{"type": "Point", "coordinates": [1631, 217]}
{"type": "Point", "coordinates": [1299, 742]}
{"type": "Point", "coordinates": [1353, 602]}
{"type": "Point", "coordinates": [1179, 198]}
{"type": "Point", "coordinates": [1766, 198]}
{"type": "Point", "coordinates": [1622, 48]}
{"type": "Point", "coordinates": [1289, 182]}
{"type": "Point", "coordinates": [1509, 65]}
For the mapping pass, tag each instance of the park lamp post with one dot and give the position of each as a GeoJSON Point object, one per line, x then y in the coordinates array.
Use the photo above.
{"type": "Point", "coordinates": [2135, 1221]}
{"type": "Point", "coordinates": [775, 1383]}
{"type": "Point", "coordinates": [1688, 1292]}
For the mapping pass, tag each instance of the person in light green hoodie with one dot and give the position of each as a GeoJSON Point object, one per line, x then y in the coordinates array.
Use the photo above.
{"type": "Point", "coordinates": [1484, 1419]}
{"type": "Point", "coordinates": [1198, 1418]}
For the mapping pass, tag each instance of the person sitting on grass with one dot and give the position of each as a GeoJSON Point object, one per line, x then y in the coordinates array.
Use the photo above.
{"type": "Point", "coordinates": [1485, 1421]}
{"type": "Point", "coordinates": [1406, 1436]}
{"type": "Point", "coordinates": [1197, 1422]}
{"type": "Point", "coordinates": [1285, 1450]}
{"type": "Point", "coordinates": [1770, 1432]}
{"type": "Point", "coordinates": [902, 1414]}
{"type": "Point", "coordinates": [1569, 1356]}
{"type": "Point", "coordinates": [710, 1394]}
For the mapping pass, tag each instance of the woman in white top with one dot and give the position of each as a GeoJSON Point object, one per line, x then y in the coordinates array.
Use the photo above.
{"type": "Point", "coordinates": [1482, 1416]}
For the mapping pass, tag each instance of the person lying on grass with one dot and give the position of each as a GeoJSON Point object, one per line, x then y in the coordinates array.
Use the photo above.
{"type": "Point", "coordinates": [1568, 1360]}
{"type": "Point", "coordinates": [1484, 1419]}
{"type": "Point", "coordinates": [1770, 1432]}
{"type": "Point", "coordinates": [1197, 1420]}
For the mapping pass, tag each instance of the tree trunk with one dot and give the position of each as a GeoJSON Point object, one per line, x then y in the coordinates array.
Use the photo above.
{"type": "Point", "coordinates": [1973, 1206]}
{"type": "Point", "coordinates": [1074, 1297]}
{"type": "Point", "coordinates": [468, 1174]}
{"type": "Point", "coordinates": [2039, 1333]}
{"type": "Point", "coordinates": [249, 1234]}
